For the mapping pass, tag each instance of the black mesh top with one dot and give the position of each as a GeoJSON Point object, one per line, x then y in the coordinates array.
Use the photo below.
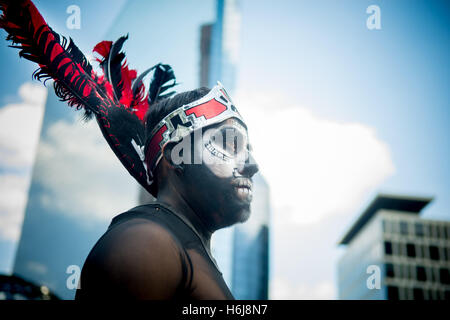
{"type": "Point", "coordinates": [151, 252]}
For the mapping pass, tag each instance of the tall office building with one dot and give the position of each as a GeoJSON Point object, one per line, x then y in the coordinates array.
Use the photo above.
{"type": "Point", "coordinates": [391, 244]}
{"type": "Point", "coordinates": [205, 53]}
{"type": "Point", "coordinates": [241, 251]}
{"type": "Point", "coordinates": [224, 46]}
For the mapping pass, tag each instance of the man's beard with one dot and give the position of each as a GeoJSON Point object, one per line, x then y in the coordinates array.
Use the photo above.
{"type": "Point", "coordinates": [232, 209]}
{"type": "Point", "coordinates": [217, 199]}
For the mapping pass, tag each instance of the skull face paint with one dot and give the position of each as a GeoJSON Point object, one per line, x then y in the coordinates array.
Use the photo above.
{"type": "Point", "coordinates": [223, 183]}
{"type": "Point", "coordinates": [226, 150]}
{"type": "Point", "coordinates": [209, 150]}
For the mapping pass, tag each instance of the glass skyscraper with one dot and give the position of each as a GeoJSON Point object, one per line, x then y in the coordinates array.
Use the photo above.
{"type": "Point", "coordinates": [242, 251]}
{"type": "Point", "coordinates": [409, 255]}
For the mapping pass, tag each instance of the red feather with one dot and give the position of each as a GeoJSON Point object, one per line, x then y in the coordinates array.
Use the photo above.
{"type": "Point", "coordinates": [127, 77]}
{"type": "Point", "coordinates": [103, 48]}
{"type": "Point", "coordinates": [140, 103]}
{"type": "Point", "coordinates": [135, 103]}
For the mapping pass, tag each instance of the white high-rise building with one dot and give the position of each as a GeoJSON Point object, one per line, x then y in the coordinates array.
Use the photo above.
{"type": "Point", "coordinates": [392, 253]}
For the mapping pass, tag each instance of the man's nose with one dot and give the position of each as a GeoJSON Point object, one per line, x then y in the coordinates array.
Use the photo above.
{"type": "Point", "coordinates": [250, 167]}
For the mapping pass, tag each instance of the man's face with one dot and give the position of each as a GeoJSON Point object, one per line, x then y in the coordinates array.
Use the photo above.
{"type": "Point", "coordinates": [221, 185]}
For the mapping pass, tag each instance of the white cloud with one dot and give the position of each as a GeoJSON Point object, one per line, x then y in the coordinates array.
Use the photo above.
{"type": "Point", "coordinates": [13, 191]}
{"type": "Point", "coordinates": [281, 289]}
{"type": "Point", "coordinates": [80, 175]}
{"type": "Point", "coordinates": [315, 167]}
{"type": "Point", "coordinates": [319, 172]}
{"type": "Point", "coordinates": [20, 125]}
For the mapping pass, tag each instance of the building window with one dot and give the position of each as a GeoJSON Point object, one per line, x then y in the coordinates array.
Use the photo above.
{"type": "Point", "coordinates": [398, 270]}
{"type": "Point", "coordinates": [444, 276]}
{"type": "Point", "coordinates": [434, 253]}
{"type": "Point", "coordinates": [396, 248]}
{"type": "Point", "coordinates": [388, 247]}
{"type": "Point", "coordinates": [421, 274]}
{"type": "Point", "coordinates": [444, 232]}
{"type": "Point", "coordinates": [405, 293]}
{"type": "Point", "coordinates": [403, 227]}
{"type": "Point", "coordinates": [384, 224]}
{"type": "Point", "coordinates": [392, 292]}
{"type": "Point", "coordinates": [389, 270]}
{"type": "Point", "coordinates": [418, 294]}
{"type": "Point", "coordinates": [447, 295]}
{"type": "Point", "coordinates": [420, 251]}
{"type": "Point", "coordinates": [430, 231]}
{"type": "Point", "coordinates": [433, 273]}
{"type": "Point", "coordinates": [411, 250]}
{"type": "Point", "coordinates": [403, 249]}
{"type": "Point", "coordinates": [419, 229]}
{"type": "Point", "coordinates": [406, 273]}
{"type": "Point", "coordinates": [434, 295]}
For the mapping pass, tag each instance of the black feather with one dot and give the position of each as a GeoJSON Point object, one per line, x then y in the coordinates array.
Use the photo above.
{"type": "Point", "coordinates": [138, 81]}
{"type": "Point", "coordinates": [112, 66]}
{"type": "Point", "coordinates": [159, 84]}
{"type": "Point", "coordinates": [78, 56]}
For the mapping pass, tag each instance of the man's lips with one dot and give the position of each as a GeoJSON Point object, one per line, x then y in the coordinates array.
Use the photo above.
{"type": "Point", "coordinates": [242, 183]}
{"type": "Point", "coordinates": [243, 187]}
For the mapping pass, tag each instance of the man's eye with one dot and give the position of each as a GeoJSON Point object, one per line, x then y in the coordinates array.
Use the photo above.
{"type": "Point", "coordinates": [232, 145]}
{"type": "Point", "coordinates": [229, 140]}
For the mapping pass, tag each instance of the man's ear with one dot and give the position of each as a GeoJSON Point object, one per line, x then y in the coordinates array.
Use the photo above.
{"type": "Point", "coordinates": [168, 155]}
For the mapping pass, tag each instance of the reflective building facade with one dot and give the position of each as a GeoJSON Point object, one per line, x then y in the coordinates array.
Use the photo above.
{"type": "Point", "coordinates": [411, 254]}
{"type": "Point", "coordinates": [242, 251]}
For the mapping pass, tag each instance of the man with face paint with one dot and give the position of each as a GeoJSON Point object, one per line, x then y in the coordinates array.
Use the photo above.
{"type": "Point", "coordinates": [225, 187]}
{"type": "Point", "coordinates": [159, 250]}
{"type": "Point", "coordinates": [202, 175]}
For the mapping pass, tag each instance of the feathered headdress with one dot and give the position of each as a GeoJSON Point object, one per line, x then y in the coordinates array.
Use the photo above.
{"type": "Point", "coordinates": [116, 99]}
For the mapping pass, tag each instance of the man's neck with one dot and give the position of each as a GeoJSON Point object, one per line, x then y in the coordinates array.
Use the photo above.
{"type": "Point", "coordinates": [174, 200]}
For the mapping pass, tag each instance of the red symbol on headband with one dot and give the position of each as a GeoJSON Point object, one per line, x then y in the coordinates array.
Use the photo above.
{"type": "Point", "coordinates": [209, 109]}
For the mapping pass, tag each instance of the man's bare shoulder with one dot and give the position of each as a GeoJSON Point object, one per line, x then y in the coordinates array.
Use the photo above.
{"type": "Point", "coordinates": [141, 256]}
{"type": "Point", "coordinates": [139, 233]}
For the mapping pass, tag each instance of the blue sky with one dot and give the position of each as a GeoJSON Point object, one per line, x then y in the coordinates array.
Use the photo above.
{"type": "Point", "coordinates": [319, 56]}
{"type": "Point", "coordinates": [384, 93]}
{"type": "Point", "coordinates": [395, 79]}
